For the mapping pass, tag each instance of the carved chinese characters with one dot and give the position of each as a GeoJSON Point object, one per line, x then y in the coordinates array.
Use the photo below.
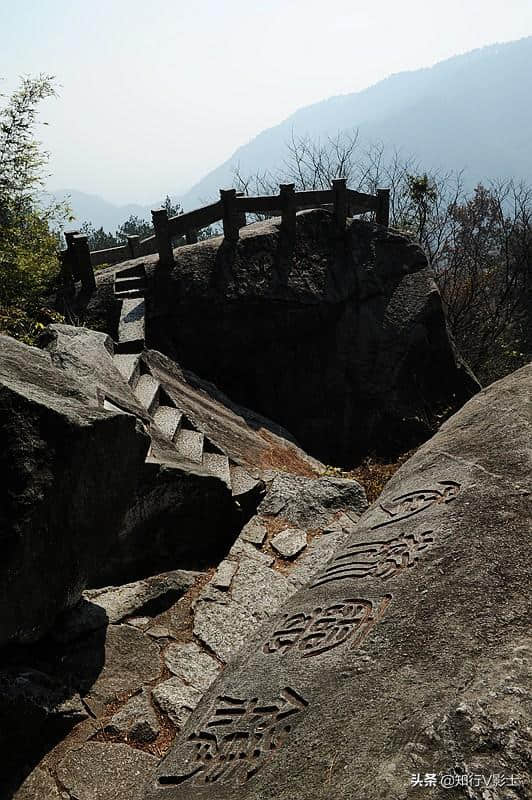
{"type": "Point", "coordinates": [324, 628]}
{"type": "Point", "coordinates": [381, 559]}
{"type": "Point", "coordinates": [238, 738]}
{"type": "Point", "coordinates": [385, 558]}
{"type": "Point", "coordinates": [407, 505]}
{"type": "Point", "coordinates": [242, 733]}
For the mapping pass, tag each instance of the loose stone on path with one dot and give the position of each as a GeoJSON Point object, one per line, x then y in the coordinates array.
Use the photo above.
{"type": "Point", "coordinates": [289, 543]}
{"type": "Point", "coordinates": [136, 720]}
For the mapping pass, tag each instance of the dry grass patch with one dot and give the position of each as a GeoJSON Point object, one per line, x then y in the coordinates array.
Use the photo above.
{"type": "Point", "coordinates": [373, 473]}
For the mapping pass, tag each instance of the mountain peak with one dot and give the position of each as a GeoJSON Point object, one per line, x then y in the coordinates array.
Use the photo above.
{"type": "Point", "coordinates": [425, 113]}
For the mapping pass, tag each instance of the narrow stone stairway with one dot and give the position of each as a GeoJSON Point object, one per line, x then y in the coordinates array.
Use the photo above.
{"type": "Point", "coordinates": [130, 282]}
{"type": "Point", "coordinates": [172, 424]}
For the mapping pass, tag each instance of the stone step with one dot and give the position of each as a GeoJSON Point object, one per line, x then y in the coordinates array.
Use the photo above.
{"type": "Point", "coordinates": [136, 271]}
{"type": "Point", "coordinates": [168, 419]}
{"type": "Point", "coordinates": [218, 465]}
{"type": "Point", "coordinates": [210, 447]}
{"type": "Point", "coordinates": [130, 294]}
{"type": "Point", "coordinates": [125, 284]}
{"type": "Point", "coordinates": [131, 328]}
{"type": "Point", "coordinates": [128, 364]}
{"type": "Point", "coordinates": [147, 391]}
{"type": "Point", "coordinates": [189, 444]}
{"type": "Point", "coordinates": [110, 406]}
{"type": "Point", "coordinates": [242, 483]}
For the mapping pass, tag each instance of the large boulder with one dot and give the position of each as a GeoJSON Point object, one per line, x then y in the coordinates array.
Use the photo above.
{"type": "Point", "coordinates": [402, 666]}
{"type": "Point", "coordinates": [98, 490]}
{"type": "Point", "coordinates": [69, 469]}
{"type": "Point", "coordinates": [344, 343]}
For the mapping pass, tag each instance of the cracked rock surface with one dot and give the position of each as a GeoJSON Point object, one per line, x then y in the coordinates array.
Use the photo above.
{"type": "Point", "coordinates": [142, 655]}
{"type": "Point", "coordinates": [404, 653]}
{"type": "Point", "coordinates": [360, 354]}
{"type": "Point", "coordinates": [252, 630]}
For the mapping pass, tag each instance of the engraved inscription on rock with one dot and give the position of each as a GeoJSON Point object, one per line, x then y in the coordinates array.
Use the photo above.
{"type": "Point", "coordinates": [384, 558]}
{"type": "Point", "coordinates": [323, 628]}
{"type": "Point", "coordinates": [238, 738]}
{"type": "Point", "coordinates": [411, 503]}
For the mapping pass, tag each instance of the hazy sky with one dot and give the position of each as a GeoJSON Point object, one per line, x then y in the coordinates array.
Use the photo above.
{"type": "Point", "coordinates": [154, 93]}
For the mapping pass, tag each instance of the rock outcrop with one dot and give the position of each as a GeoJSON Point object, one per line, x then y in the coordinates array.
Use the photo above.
{"type": "Point", "coordinates": [127, 666]}
{"type": "Point", "coordinates": [227, 600]}
{"type": "Point", "coordinates": [344, 343]}
{"type": "Point", "coordinates": [63, 496]}
{"type": "Point", "coordinates": [117, 466]}
{"type": "Point", "coordinates": [404, 658]}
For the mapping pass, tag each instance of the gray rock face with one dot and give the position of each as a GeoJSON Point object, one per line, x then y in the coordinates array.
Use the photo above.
{"type": "Point", "coordinates": [342, 522]}
{"type": "Point", "coordinates": [33, 705]}
{"type": "Point", "coordinates": [361, 359]}
{"type": "Point", "coordinates": [254, 532]}
{"type": "Point", "coordinates": [259, 589]}
{"type": "Point", "coordinates": [405, 654]}
{"type": "Point", "coordinates": [308, 501]}
{"type": "Point", "coordinates": [486, 729]}
{"type": "Point", "coordinates": [38, 784]}
{"type": "Point", "coordinates": [136, 720]}
{"type": "Point", "coordinates": [63, 498]}
{"type": "Point", "coordinates": [130, 659]}
{"type": "Point", "coordinates": [171, 493]}
{"type": "Point", "coordinates": [177, 699]}
{"type": "Point", "coordinates": [136, 598]}
{"type": "Point", "coordinates": [224, 574]}
{"type": "Point", "coordinates": [98, 771]}
{"type": "Point", "coordinates": [223, 625]}
{"type": "Point", "coordinates": [99, 607]}
{"type": "Point", "coordinates": [194, 671]}
{"type": "Point", "coordinates": [290, 542]}
{"type": "Point", "coordinates": [242, 549]}
{"type": "Point", "coordinates": [189, 662]}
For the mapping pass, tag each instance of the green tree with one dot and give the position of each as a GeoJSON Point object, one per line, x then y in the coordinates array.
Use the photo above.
{"type": "Point", "coordinates": [28, 240]}
{"type": "Point", "coordinates": [98, 239]}
{"type": "Point", "coordinates": [172, 209]}
{"type": "Point", "coordinates": [134, 226]}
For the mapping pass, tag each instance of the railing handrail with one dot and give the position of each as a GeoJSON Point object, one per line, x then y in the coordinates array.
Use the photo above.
{"type": "Point", "coordinates": [231, 208]}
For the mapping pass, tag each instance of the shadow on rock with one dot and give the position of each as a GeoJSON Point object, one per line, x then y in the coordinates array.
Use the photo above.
{"type": "Point", "coordinates": [41, 689]}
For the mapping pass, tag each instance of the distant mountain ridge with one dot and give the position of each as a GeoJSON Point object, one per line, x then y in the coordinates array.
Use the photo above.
{"type": "Point", "coordinates": [94, 209]}
{"type": "Point", "coordinates": [468, 112]}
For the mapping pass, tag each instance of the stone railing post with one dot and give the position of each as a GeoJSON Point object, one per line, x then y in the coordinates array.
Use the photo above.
{"type": "Point", "coordinates": [230, 222]}
{"type": "Point", "coordinates": [65, 268]}
{"type": "Point", "coordinates": [287, 195]}
{"type": "Point", "coordinates": [191, 237]}
{"type": "Point", "coordinates": [339, 187]}
{"type": "Point", "coordinates": [70, 254]}
{"type": "Point", "coordinates": [241, 220]}
{"type": "Point", "coordinates": [133, 242]}
{"type": "Point", "coordinates": [83, 258]}
{"type": "Point", "coordinates": [382, 214]}
{"type": "Point", "coordinates": [162, 235]}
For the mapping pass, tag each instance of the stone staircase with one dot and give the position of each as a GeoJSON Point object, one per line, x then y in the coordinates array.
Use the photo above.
{"type": "Point", "coordinates": [169, 424]}
{"type": "Point", "coordinates": [130, 282]}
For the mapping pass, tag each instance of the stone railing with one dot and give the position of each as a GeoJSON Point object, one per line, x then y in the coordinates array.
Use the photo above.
{"type": "Point", "coordinates": [78, 262]}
